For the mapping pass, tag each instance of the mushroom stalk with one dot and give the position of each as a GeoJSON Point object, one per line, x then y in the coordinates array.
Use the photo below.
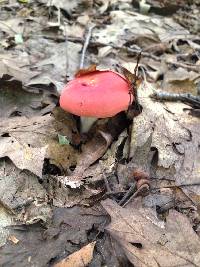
{"type": "Point", "coordinates": [86, 123]}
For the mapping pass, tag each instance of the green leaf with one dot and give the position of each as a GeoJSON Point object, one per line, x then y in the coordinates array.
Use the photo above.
{"type": "Point", "coordinates": [63, 140]}
{"type": "Point", "coordinates": [18, 38]}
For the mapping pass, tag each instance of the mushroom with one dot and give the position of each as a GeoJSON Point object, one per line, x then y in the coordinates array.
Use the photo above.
{"type": "Point", "coordinates": [97, 94]}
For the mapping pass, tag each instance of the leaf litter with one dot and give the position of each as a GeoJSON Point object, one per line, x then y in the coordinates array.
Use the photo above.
{"type": "Point", "coordinates": [52, 178]}
{"type": "Point", "coordinates": [150, 242]}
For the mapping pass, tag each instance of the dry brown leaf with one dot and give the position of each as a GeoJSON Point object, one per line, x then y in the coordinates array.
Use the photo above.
{"type": "Point", "coordinates": [107, 165]}
{"type": "Point", "coordinates": [180, 81]}
{"type": "Point", "coordinates": [50, 67]}
{"type": "Point", "coordinates": [22, 194]}
{"type": "Point", "coordinates": [58, 60]}
{"type": "Point", "coordinates": [66, 233]}
{"type": "Point", "coordinates": [90, 69]}
{"type": "Point", "coordinates": [150, 242]}
{"type": "Point", "coordinates": [15, 100]}
{"type": "Point", "coordinates": [96, 172]}
{"type": "Point", "coordinates": [12, 26]}
{"type": "Point", "coordinates": [79, 258]}
{"type": "Point", "coordinates": [174, 134]}
{"type": "Point", "coordinates": [16, 66]}
{"type": "Point", "coordinates": [91, 152]}
{"type": "Point", "coordinates": [28, 141]}
{"type": "Point", "coordinates": [6, 219]}
{"type": "Point", "coordinates": [62, 196]}
{"type": "Point", "coordinates": [24, 157]}
{"type": "Point", "coordinates": [75, 30]}
{"type": "Point", "coordinates": [137, 25]}
{"type": "Point", "coordinates": [13, 239]}
{"type": "Point", "coordinates": [66, 5]}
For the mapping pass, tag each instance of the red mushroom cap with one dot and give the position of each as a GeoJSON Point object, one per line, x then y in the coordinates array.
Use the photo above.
{"type": "Point", "coordinates": [99, 94]}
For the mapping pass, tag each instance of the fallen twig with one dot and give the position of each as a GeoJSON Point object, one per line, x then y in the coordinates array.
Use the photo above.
{"type": "Point", "coordinates": [191, 67]}
{"type": "Point", "coordinates": [141, 191]}
{"type": "Point", "coordinates": [128, 194]}
{"type": "Point", "coordinates": [66, 54]}
{"type": "Point", "coordinates": [185, 98]}
{"type": "Point", "coordinates": [99, 44]}
{"type": "Point", "coordinates": [106, 183]}
{"type": "Point", "coordinates": [86, 43]}
{"type": "Point", "coordinates": [129, 50]}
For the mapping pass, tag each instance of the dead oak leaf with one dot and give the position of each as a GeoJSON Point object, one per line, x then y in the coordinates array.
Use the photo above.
{"type": "Point", "coordinates": [174, 135]}
{"type": "Point", "coordinates": [22, 194]}
{"type": "Point", "coordinates": [91, 152]}
{"type": "Point", "coordinates": [28, 141]}
{"type": "Point", "coordinates": [51, 67]}
{"type": "Point", "coordinates": [13, 239]}
{"type": "Point", "coordinates": [18, 101]}
{"type": "Point", "coordinates": [22, 155]}
{"type": "Point", "coordinates": [79, 258]}
{"type": "Point", "coordinates": [66, 5]}
{"type": "Point", "coordinates": [64, 234]}
{"type": "Point", "coordinates": [148, 241]}
{"type": "Point", "coordinates": [44, 64]}
{"type": "Point", "coordinates": [16, 66]}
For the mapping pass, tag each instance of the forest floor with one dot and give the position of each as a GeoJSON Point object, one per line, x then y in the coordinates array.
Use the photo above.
{"type": "Point", "coordinates": [127, 193]}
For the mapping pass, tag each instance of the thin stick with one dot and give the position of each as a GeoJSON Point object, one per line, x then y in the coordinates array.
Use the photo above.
{"type": "Point", "coordinates": [106, 183]}
{"type": "Point", "coordinates": [137, 63]}
{"type": "Point", "coordinates": [59, 16]}
{"type": "Point", "coordinates": [66, 52]}
{"type": "Point", "coordinates": [86, 43]}
{"type": "Point", "coordinates": [131, 51]}
{"type": "Point", "coordinates": [128, 194]}
{"type": "Point", "coordinates": [183, 97]}
{"type": "Point", "coordinates": [140, 192]}
{"type": "Point", "coordinates": [134, 83]}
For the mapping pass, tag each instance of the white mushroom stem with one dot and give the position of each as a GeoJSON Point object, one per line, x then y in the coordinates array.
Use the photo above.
{"type": "Point", "coordinates": [86, 123]}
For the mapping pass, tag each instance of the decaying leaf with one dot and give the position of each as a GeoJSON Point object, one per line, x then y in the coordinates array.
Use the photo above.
{"type": "Point", "coordinates": [88, 70]}
{"type": "Point", "coordinates": [150, 242]}
{"type": "Point", "coordinates": [62, 196]}
{"type": "Point", "coordinates": [16, 66]}
{"type": "Point", "coordinates": [27, 142]}
{"type": "Point", "coordinates": [79, 258]}
{"type": "Point", "coordinates": [67, 5]}
{"type": "Point", "coordinates": [16, 101]}
{"type": "Point", "coordinates": [137, 25]}
{"type": "Point", "coordinates": [40, 47]}
{"type": "Point", "coordinates": [12, 26]}
{"type": "Point", "coordinates": [41, 246]}
{"type": "Point", "coordinates": [22, 155]}
{"type": "Point", "coordinates": [22, 194]}
{"type": "Point", "coordinates": [180, 80]}
{"type": "Point", "coordinates": [6, 219]}
{"type": "Point", "coordinates": [92, 151]}
{"type": "Point", "coordinates": [59, 60]}
{"type": "Point", "coordinates": [174, 135]}
{"type": "Point", "coordinates": [108, 163]}
{"type": "Point", "coordinates": [13, 239]}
